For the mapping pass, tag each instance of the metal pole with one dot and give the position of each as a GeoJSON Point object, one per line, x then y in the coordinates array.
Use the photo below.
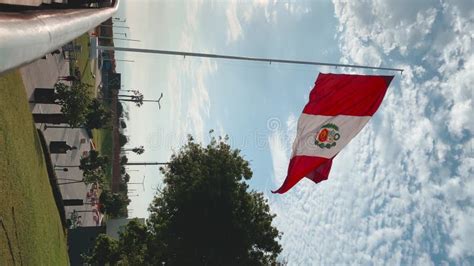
{"type": "Point", "coordinates": [243, 58]}
{"type": "Point", "coordinates": [121, 60]}
{"type": "Point", "coordinates": [67, 183]}
{"type": "Point", "coordinates": [70, 179]}
{"type": "Point", "coordinates": [142, 183]}
{"type": "Point", "coordinates": [54, 126]}
{"type": "Point", "coordinates": [86, 210]}
{"type": "Point", "coordinates": [147, 163]}
{"type": "Point", "coordinates": [113, 26]}
{"type": "Point", "coordinates": [124, 39]}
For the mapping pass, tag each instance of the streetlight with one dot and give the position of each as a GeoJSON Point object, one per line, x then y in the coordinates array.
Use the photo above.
{"type": "Point", "coordinates": [118, 20]}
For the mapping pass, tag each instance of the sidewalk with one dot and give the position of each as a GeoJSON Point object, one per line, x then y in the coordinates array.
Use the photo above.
{"type": "Point", "coordinates": [44, 73]}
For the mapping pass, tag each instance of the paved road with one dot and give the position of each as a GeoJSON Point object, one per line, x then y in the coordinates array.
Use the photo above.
{"type": "Point", "coordinates": [44, 73]}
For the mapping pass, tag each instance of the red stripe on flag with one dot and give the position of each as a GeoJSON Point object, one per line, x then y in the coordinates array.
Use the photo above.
{"type": "Point", "coordinates": [341, 94]}
{"type": "Point", "coordinates": [315, 168]}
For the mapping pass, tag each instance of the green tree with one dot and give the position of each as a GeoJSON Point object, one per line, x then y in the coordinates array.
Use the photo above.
{"type": "Point", "coordinates": [122, 139]}
{"type": "Point", "coordinates": [123, 124]}
{"type": "Point", "coordinates": [94, 177]}
{"type": "Point", "coordinates": [130, 249]}
{"type": "Point", "coordinates": [123, 160]}
{"type": "Point", "coordinates": [126, 178]}
{"type": "Point", "coordinates": [137, 98]}
{"type": "Point", "coordinates": [133, 243]}
{"type": "Point", "coordinates": [138, 150]}
{"type": "Point", "coordinates": [93, 167]}
{"type": "Point", "coordinates": [106, 250]}
{"type": "Point", "coordinates": [97, 115]}
{"type": "Point", "coordinates": [74, 101]}
{"type": "Point", "coordinates": [114, 204]}
{"type": "Point", "coordinates": [206, 214]}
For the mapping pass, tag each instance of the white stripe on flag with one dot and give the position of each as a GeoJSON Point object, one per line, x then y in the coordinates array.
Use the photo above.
{"type": "Point", "coordinates": [340, 130]}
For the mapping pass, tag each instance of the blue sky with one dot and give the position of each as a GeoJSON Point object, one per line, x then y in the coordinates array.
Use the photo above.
{"type": "Point", "coordinates": [400, 193]}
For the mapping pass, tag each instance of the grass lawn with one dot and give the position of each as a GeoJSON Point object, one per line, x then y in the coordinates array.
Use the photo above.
{"type": "Point", "coordinates": [102, 137]}
{"type": "Point", "coordinates": [30, 227]}
{"type": "Point", "coordinates": [83, 62]}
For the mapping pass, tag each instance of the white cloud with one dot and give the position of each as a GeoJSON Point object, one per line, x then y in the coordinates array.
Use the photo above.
{"type": "Point", "coordinates": [278, 143]}
{"type": "Point", "coordinates": [234, 30]}
{"type": "Point", "coordinates": [296, 9]}
{"type": "Point", "coordinates": [220, 130]}
{"type": "Point", "coordinates": [241, 13]}
{"type": "Point", "coordinates": [187, 83]}
{"type": "Point", "coordinates": [279, 153]}
{"type": "Point", "coordinates": [401, 192]}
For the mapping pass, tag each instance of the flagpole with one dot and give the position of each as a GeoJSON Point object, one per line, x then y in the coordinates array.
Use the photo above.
{"type": "Point", "coordinates": [243, 58]}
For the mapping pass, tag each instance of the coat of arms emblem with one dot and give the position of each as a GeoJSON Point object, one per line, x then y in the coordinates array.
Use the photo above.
{"type": "Point", "coordinates": [327, 136]}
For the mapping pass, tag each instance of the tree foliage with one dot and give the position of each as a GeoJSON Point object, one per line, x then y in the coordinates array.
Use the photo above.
{"type": "Point", "coordinates": [93, 167]}
{"type": "Point", "coordinates": [130, 249]}
{"type": "Point", "coordinates": [74, 101]}
{"type": "Point", "coordinates": [120, 110]}
{"type": "Point", "coordinates": [123, 125]}
{"type": "Point", "coordinates": [114, 204]}
{"type": "Point", "coordinates": [207, 215]}
{"type": "Point", "coordinates": [97, 115]}
{"type": "Point", "coordinates": [122, 140]}
{"type": "Point", "coordinates": [106, 250]}
{"type": "Point", "coordinates": [139, 150]}
{"type": "Point", "coordinates": [126, 178]}
{"type": "Point", "coordinates": [134, 243]}
{"type": "Point", "coordinates": [123, 160]}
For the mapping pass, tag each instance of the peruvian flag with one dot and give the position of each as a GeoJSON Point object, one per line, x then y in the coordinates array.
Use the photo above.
{"type": "Point", "coordinates": [339, 107]}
